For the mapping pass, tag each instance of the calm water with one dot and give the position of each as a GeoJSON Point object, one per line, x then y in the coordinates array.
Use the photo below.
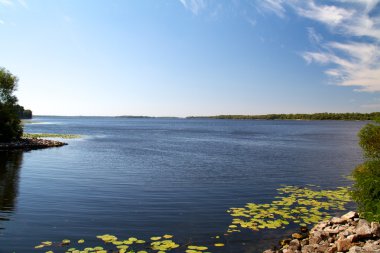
{"type": "Point", "coordinates": [148, 177]}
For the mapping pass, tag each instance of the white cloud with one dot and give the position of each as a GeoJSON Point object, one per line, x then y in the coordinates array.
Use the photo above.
{"type": "Point", "coordinates": [371, 106]}
{"type": "Point", "coordinates": [314, 37]}
{"type": "Point", "coordinates": [276, 6]}
{"type": "Point", "coordinates": [354, 61]}
{"type": "Point", "coordinates": [195, 6]}
{"type": "Point", "coordinates": [2, 22]}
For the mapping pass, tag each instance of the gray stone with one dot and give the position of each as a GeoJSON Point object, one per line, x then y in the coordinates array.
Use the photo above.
{"type": "Point", "coordinates": [343, 245]}
{"type": "Point", "coordinates": [375, 229]}
{"type": "Point", "coordinates": [308, 249]}
{"type": "Point", "coordinates": [294, 244]}
{"type": "Point", "coordinates": [350, 215]}
{"type": "Point", "coordinates": [355, 249]}
{"type": "Point", "coordinates": [336, 220]}
{"type": "Point", "coordinates": [363, 229]}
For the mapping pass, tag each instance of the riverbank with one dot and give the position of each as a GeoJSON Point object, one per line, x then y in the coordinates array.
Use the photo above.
{"type": "Point", "coordinates": [347, 233]}
{"type": "Point", "coordinates": [30, 144]}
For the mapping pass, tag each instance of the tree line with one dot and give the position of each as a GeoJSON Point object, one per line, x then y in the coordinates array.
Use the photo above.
{"type": "Point", "coordinates": [300, 116]}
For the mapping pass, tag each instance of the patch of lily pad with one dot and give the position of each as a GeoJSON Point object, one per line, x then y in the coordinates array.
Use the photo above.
{"type": "Point", "coordinates": [299, 205]}
{"type": "Point", "coordinates": [49, 135]}
{"type": "Point", "coordinates": [111, 243]}
{"type": "Point", "coordinates": [296, 205]}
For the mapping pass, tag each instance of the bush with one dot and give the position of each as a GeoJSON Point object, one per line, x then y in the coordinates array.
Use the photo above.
{"type": "Point", "coordinates": [366, 189]}
{"type": "Point", "coordinates": [10, 124]}
{"type": "Point", "coordinates": [369, 137]}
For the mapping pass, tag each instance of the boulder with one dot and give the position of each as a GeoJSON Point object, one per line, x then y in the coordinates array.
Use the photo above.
{"type": "Point", "coordinates": [350, 215]}
{"type": "Point", "coordinates": [343, 245]}
{"type": "Point", "coordinates": [375, 229]}
{"type": "Point", "coordinates": [363, 229]}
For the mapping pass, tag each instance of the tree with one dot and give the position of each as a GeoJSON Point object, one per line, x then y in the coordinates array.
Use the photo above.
{"type": "Point", "coordinates": [10, 124]}
{"type": "Point", "coordinates": [366, 189]}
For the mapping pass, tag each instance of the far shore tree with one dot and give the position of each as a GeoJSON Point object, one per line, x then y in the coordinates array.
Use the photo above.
{"type": "Point", "coordinates": [10, 124]}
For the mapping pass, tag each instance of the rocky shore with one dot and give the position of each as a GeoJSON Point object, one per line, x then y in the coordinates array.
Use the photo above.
{"type": "Point", "coordinates": [347, 233]}
{"type": "Point", "coordinates": [30, 143]}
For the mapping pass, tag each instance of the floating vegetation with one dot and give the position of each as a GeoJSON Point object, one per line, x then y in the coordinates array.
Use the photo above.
{"type": "Point", "coordinates": [157, 244]}
{"type": "Point", "coordinates": [298, 205]}
{"type": "Point", "coordinates": [47, 135]}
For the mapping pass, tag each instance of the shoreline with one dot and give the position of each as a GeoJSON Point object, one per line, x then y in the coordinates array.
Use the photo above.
{"type": "Point", "coordinates": [26, 144]}
{"type": "Point", "coordinates": [347, 233]}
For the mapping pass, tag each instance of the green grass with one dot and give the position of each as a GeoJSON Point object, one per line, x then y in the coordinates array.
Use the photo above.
{"type": "Point", "coordinates": [47, 135]}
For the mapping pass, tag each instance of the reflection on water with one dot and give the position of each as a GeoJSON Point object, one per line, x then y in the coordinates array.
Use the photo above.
{"type": "Point", "coordinates": [10, 163]}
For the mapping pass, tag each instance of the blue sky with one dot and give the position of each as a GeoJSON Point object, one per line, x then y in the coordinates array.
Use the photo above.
{"type": "Point", "coordinates": [192, 57]}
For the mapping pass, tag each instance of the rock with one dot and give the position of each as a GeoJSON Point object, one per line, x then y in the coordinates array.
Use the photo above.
{"type": "Point", "coordinates": [345, 234]}
{"type": "Point", "coordinates": [363, 229]}
{"type": "Point", "coordinates": [343, 245]}
{"type": "Point", "coordinates": [352, 238]}
{"type": "Point", "coordinates": [332, 249]}
{"type": "Point", "coordinates": [323, 247]}
{"type": "Point", "coordinates": [308, 249]}
{"type": "Point", "coordinates": [315, 240]}
{"type": "Point", "coordinates": [350, 215]}
{"type": "Point", "coordinates": [297, 236]}
{"type": "Point", "coordinates": [371, 247]}
{"type": "Point", "coordinates": [355, 249]}
{"type": "Point", "coordinates": [375, 229]}
{"type": "Point", "coordinates": [336, 220]}
{"type": "Point", "coordinates": [269, 251]}
{"type": "Point", "coordinates": [294, 244]}
{"type": "Point", "coordinates": [332, 231]}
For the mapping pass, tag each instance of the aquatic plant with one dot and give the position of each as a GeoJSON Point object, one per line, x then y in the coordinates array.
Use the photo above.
{"type": "Point", "coordinates": [48, 135]}
{"type": "Point", "coordinates": [300, 205]}
{"type": "Point", "coordinates": [159, 244]}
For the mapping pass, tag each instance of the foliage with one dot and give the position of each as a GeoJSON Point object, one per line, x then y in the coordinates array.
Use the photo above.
{"type": "Point", "coordinates": [315, 116]}
{"type": "Point", "coordinates": [369, 137]}
{"type": "Point", "coordinates": [10, 124]}
{"type": "Point", "coordinates": [22, 113]}
{"type": "Point", "coordinates": [366, 189]}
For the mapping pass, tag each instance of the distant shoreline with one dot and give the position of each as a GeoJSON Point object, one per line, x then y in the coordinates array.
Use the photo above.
{"type": "Point", "coordinates": [295, 116]}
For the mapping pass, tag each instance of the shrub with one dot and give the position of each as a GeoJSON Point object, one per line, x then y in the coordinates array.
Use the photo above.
{"type": "Point", "coordinates": [366, 189]}
{"type": "Point", "coordinates": [10, 125]}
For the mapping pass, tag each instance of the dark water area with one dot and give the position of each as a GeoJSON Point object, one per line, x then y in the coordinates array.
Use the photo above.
{"type": "Point", "coordinates": [149, 177]}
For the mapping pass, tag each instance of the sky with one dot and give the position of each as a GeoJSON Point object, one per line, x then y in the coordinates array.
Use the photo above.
{"type": "Point", "coordinates": [192, 57]}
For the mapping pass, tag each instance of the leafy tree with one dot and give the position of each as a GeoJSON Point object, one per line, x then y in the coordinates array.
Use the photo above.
{"type": "Point", "coordinates": [366, 189]}
{"type": "Point", "coordinates": [10, 125]}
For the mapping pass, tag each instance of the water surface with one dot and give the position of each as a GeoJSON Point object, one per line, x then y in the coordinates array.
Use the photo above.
{"type": "Point", "coordinates": [148, 177]}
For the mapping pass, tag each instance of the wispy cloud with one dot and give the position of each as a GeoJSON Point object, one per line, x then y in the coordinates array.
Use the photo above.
{"type": "Point", "coordinates": [195, 6]}
{"type": "Point", "coordinates": [2, 22]}
{"type": "Point", "coordinates": [276, 6]}
{"type": "Point", "coordinates": [314, 37]}
{"type": "Point", "coordinates": [371, 106]}
{"type": "Point", "coordinates": [354, 61]}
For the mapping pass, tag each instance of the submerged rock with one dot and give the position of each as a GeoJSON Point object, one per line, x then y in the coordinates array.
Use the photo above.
{"type": "Point", "coordinates": [347, 233]}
